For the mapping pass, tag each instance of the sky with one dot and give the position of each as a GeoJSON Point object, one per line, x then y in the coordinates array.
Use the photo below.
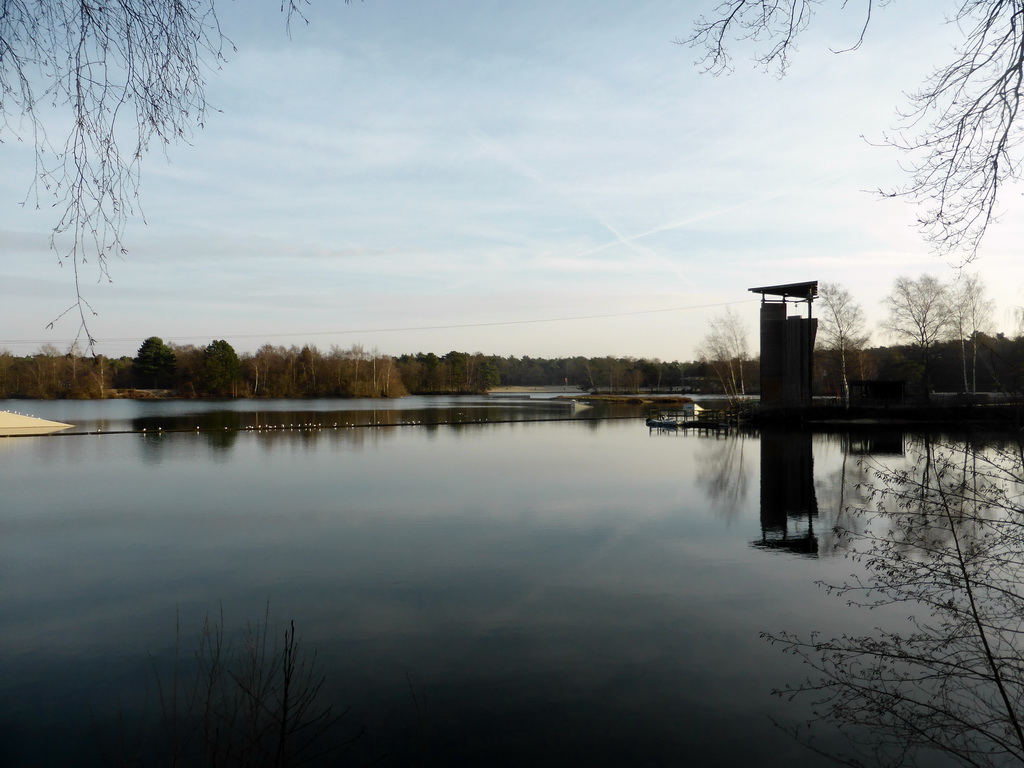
{"type": "Point", "coordinates": [529, 178]}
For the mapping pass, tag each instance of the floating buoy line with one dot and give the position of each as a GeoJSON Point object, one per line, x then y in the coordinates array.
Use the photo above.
{"type": "Point", "coordinates": [320, 426]}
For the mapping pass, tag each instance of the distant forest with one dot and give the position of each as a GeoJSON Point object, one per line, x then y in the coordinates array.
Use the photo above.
{"type": "Point", "coordinates": [997, 364]}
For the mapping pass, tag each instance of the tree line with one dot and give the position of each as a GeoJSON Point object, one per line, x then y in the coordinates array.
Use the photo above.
{"type": "Point", "coordinates": [942, 333]}
{"type": "Point", "coordinates": [217, 370]}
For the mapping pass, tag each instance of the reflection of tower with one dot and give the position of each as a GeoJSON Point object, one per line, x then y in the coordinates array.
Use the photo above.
{"type": "Point", "coordinates": [877, 442]}
{"type": "Point", "coordinates": [788, 504]}
{"type": "Point", "coordinates": [787, 346]}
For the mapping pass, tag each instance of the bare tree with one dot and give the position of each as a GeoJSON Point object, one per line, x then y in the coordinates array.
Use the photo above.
{"type": "Point", "coordinates": [121, 76]}
{"type": "Point", "coordinates": [725, 349]}
{"type": "Point", "coordinates": [944, 542]}
{"type": "Point", "coordinates": [840, 328]}
{"type": "Point", "coordinates": [972, 313]}
{"type": "Point", "coordinates": [960, 131]}
{"type": "Point", "coordinates": [253, 702]}
{"type": "Point", "coordinates": [920, 315]}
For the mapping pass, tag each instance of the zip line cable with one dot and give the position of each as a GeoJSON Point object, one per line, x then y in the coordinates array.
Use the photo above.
{"type": "Point", "coordinates": [123, 339]}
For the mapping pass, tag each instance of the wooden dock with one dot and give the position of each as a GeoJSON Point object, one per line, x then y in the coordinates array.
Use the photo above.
{"type": "Point", "coordinates": [716, 421]}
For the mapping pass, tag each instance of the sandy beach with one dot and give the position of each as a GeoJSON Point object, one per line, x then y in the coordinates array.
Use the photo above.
{"type": "Point", "coordinates": [16, 424]}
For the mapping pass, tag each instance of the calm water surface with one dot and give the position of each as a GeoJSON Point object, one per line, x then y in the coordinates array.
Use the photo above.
{"type": "Point", "coordinates": [564, 592]}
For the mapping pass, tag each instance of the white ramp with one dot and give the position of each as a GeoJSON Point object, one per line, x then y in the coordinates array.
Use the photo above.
{"type": "Point", "coordinates": [15, 424]}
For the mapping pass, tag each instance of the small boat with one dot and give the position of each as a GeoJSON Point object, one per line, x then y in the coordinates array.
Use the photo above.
{"type": "Point", "coordinates": [662, 423]}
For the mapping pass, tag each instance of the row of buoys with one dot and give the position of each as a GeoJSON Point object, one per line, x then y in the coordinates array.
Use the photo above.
{"type": "Point", "coordinates": [280, 427]}
{"type": "Point", "coordinates": [305, 426]}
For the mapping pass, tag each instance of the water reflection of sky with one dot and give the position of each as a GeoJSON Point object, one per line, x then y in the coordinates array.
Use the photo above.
{"type": "Point", "coordinates": [554, 593]}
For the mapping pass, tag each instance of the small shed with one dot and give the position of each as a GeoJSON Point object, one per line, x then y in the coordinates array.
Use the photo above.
{"type": "Point", "coordinates": [877, 392]}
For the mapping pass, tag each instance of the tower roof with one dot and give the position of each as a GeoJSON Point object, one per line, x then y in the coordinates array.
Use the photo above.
{"type": "Point", "coordinates": [802, 291]}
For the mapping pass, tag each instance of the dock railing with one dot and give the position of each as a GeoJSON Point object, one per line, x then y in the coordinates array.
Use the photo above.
{"type": "Point", "coordinates": [731, 416]}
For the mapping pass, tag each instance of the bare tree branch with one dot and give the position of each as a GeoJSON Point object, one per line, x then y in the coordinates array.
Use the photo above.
{"type": "Point", "coordinates": [726, 350]}
{"type": "Point", "coordinates": [943, 540]}
{"type": "Point", "coordinates": [841, 329]}
{"type": "Point", "coordinates": [776, 24]}
{"type": "Point", "coordinates": [920, 315]}
{"type": "Point", "coordinates": [111, 80]}
{"type": "Point", "coordinates": [960, 132]}
{"type": "Point", "coordinates": [964, 153]}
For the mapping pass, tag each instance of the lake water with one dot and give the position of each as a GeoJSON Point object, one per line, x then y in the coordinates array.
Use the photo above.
{"type": "Point", "coordinates": [492, 583]}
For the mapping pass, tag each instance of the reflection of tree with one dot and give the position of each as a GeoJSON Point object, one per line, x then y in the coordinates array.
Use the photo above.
{"type": "Point", "coordinates": [945, 537]}
{"type": "Point", "coordinates": [723, 475]}
{"type": "Point", "coordinates": [256, 702]}
{"type": "Point", "coordinates": [844, 486]}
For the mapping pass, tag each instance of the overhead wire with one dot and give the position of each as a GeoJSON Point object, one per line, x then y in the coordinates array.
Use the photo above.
{"type": "Point", "coordinates": [99, 341]}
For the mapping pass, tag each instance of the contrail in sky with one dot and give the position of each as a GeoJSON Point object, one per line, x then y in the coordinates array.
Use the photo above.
{"type": "Point", "coordinates": [514, 161]}
{"type": "Point", "coordinates": [678, 224]}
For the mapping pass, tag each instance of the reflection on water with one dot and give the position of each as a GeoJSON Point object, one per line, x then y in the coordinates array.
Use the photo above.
{"type": "Point", "coordinates": [880, 442]}
{"type": "Point", "coordinates": [318, 421]}
{"type": "Point", "coordinates": [725, 474]}
{"type": "Point", "coordinates": [106, 416]}
{"type": "Point", "coordinates": [937, 679]}
{"type": "Point", "coordinates": [518, 593]}
{"type": "Point", "coordinates": [789, 506]}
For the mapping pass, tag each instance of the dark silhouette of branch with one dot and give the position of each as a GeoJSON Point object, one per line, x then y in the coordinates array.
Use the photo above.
{"type": "Point", "coordinates": [93, 86]}
{"type": "Point", "coordinates": [959, 133]}
{"type": "Point", "coordinates": [945, 539]}
{"type": "Point", "coordinates": [259, 704]}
